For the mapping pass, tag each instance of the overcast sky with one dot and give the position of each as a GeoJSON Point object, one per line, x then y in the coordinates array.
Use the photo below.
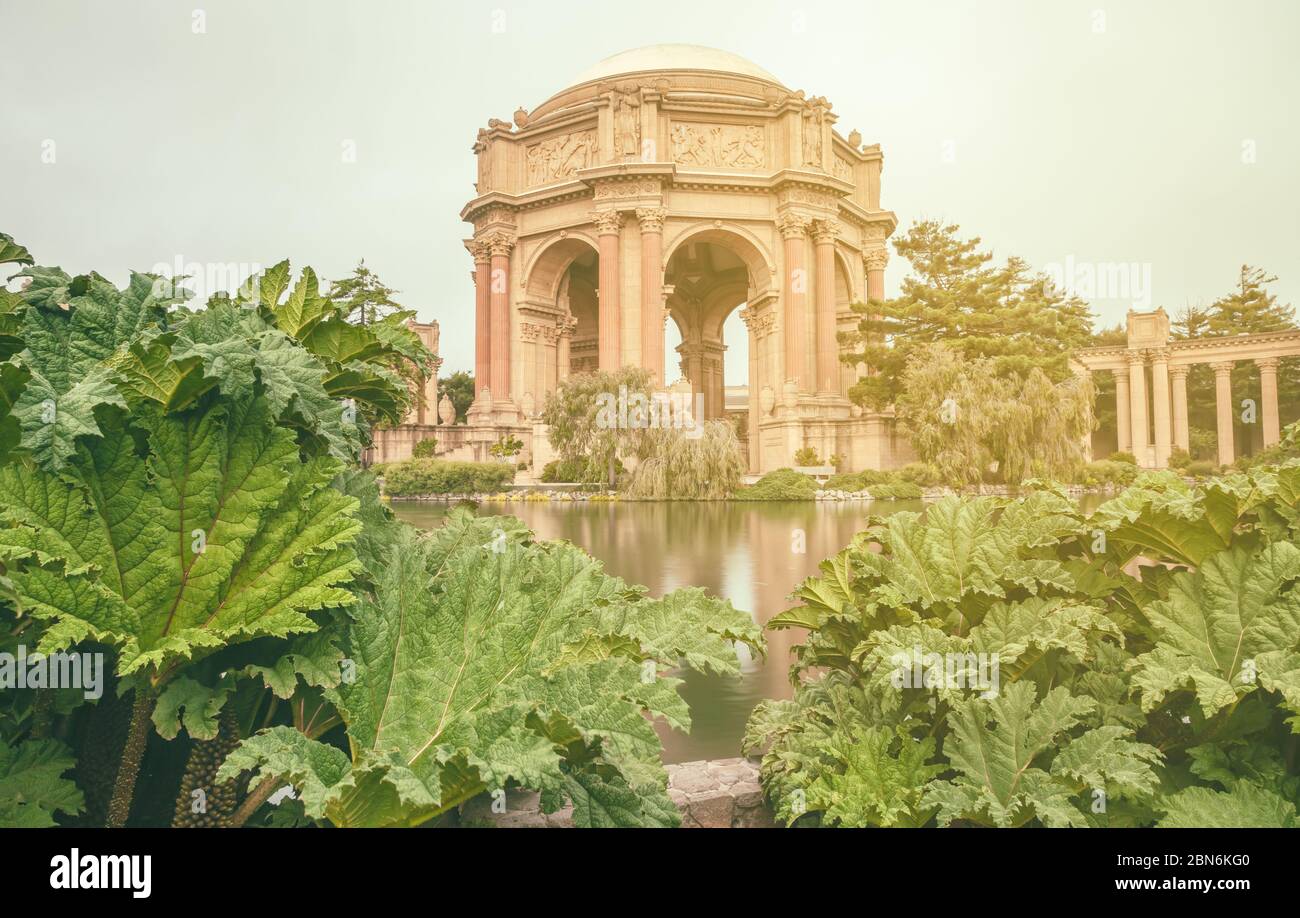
{"type": "Point", "coordinates": [1162, 133]}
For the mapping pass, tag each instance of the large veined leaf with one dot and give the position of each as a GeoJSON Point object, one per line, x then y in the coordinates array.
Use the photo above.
{"type": "Point", "coordinates": [219, 535]}
{"type": "Point", "coordinates": [964, 555]}
{"type": "Point", "coordinates": [72, 327]}
{"type": "Point", "coordinates": [997, 747]}
{"type": "Point", "coordinates": [32, 786]}
{"type": "Point", "coordinates": [1162, 517]}
{"type": "Point", "coordinates": [460, 685]}
{"type": "Point", "coordinates": [1226, 628]}
{"type": "Point", "coordinates": [884, 775]}
{"type": "Point", "coordinates": [1244, 807]}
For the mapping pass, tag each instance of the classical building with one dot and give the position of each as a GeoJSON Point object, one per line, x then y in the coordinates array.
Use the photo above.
{"type": "Point", "coordinates": [1150, 372]}
{"type": "Point", "coordinates": [393, 444]}
{"type": "Point", "coordinates": [678, 183]}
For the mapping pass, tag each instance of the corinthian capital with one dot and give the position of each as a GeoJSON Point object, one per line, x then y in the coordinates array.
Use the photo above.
{"type": "Point", "coordinates": [481, 251]}
{"type": "Point", "coordinates": [875, 259]}
{"type": "Point", "coordinates": [499, 243]}
{"type": "Point", "coordinates": [652, 218]}
{"type": "Point", "coordinates": [608, 222]}
{"type": "Point", "coordinates": [824, 231]}
{"type": "Point", "coordinates": [792, 226]}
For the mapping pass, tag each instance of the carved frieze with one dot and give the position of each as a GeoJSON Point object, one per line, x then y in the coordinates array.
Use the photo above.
{"type": "Point", "coordinates": [637, 189]}
{"type": "Point", "coordinates": [842, 168]}
{"type": "Point", "coordinates": [560, 157]}
{"type": "Point", "coordinates": [733, 146]}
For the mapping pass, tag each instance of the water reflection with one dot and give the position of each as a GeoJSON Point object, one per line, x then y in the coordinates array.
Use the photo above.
{"type": "Point", "coordinates": [745, 552]}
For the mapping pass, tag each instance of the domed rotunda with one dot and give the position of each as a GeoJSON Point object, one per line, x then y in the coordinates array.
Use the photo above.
{"type": "Point", "coordinates": [682, 183]}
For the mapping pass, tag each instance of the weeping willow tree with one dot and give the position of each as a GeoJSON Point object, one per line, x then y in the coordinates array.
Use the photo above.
{"type": "Point", "coordinates": [974, 423]}
{"type": "Point", "coordinates": [705, 463]}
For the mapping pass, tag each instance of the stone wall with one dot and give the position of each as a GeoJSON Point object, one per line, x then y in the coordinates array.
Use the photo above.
{"type": "Point", "coordinates": [717, 794]}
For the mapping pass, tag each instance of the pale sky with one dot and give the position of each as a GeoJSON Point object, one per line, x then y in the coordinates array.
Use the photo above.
{"type": "Point", "coordinates": [1161, 133]}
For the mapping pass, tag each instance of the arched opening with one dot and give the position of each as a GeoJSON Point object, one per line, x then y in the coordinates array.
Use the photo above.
{"type": "Point", "coordinates": [559, 323]}
{"type": "Point", "coordinates": [709, 283]}
{"type": "Point", "coordinates": [712, 274]}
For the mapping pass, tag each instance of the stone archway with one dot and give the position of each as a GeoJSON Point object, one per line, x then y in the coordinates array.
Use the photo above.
{"type": "Point", "coordinates": [558, 316]}
{"type": "Point", "coordinates": [710, 273]}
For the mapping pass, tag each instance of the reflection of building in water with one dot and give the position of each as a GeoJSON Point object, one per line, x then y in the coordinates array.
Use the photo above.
{"type": "Point", "coordinates": [683, 184]}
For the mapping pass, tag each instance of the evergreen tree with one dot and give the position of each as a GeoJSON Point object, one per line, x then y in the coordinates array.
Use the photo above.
{"type": "Point", "coordinates": [957, 296]}
{"type": "Point", "coordinates": [459, 387]}
{"type": "Point", "coordinates": [366, 298]}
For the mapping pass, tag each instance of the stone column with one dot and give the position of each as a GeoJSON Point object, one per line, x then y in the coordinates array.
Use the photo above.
{"type": "Point", "coordinates": [482, 316]}
{"type": "Point", "coordinates": [828, 349]}
{"type": "Point", "coordinates": [1123, 423]}
{"type": "Point", "coordinates": [876, 261]}
{"type": "Point", "coordinates": [1182, 436]}
{"type": "Point", "coordinates": [500, 246]}
{"type": "Point", "coordinates": [1137, 397]}
{"type": "Point", "coordinates": [1223, 404]}
{"type": "Point", "coordinates": [793, 230]}
{"type": "Point", "coordinates": [652, 296]}
{"type": "Point", "coordinates": [565, 333]}
{"type": "Point", "coordinates": [1268, 396]}
{"type": "Point", "coordinates": [1160, 405]}
{"type": "Point", "coordinates": [610, 342]}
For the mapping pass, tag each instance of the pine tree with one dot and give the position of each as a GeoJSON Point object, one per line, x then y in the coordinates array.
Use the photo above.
{"type": "Point", "coordinates": [955, 295]}
{"type": "Point", "coordinates": [366, 297]}
{"type": "Point", "coordinates": [1250, 309]}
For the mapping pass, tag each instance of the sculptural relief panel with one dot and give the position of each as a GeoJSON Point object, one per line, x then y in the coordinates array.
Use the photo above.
{"type": "Point", "coordinates": [560, 157]}
{"type": "Point", "coordinates": [732, 146]}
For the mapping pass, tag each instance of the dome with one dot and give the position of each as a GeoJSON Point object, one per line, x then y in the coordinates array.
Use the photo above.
{"type": "Point", "coordinates": [675, 57]}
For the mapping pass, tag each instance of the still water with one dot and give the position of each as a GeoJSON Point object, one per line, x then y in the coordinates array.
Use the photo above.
{"type": "Point", "coordinates": [739, 551]}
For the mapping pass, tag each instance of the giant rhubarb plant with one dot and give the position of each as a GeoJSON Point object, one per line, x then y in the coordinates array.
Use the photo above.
{"type": "Point", "coordinates": [1148, 664]}
{"type": "Point", "coordinates": [171, 488]}
{"type": "Point", "coordinates": [483, 660]}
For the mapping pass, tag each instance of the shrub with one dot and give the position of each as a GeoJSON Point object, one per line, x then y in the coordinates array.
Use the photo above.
{"type": "Point", "coordinates": [896, 490]}
{"type": "Point", "coordinates": [807, 456]}
{"type": "Point", "coordinates": [921, 473]}
{"type": "Point", "coordinates": [1123, 456]}
{"type": "Point", "coordinates": [436, 476]}
{"type": "Point", "coordinates": [575, 471]}
{"type": "Point", "coordinates": [781, 484]}
{"type": "Point", "coordinates": [1169, 691]}
{"type": "Point", "coordinates": [1180, 458]}
{"type": "Point", "coordinates": [1107, 472]}
{"type": "Point", "coordinates": [425, 449]}
{"type": "Point", "coordinates": [1201, 468]}
{"type": "Point", "coordinates": [845, 481]}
